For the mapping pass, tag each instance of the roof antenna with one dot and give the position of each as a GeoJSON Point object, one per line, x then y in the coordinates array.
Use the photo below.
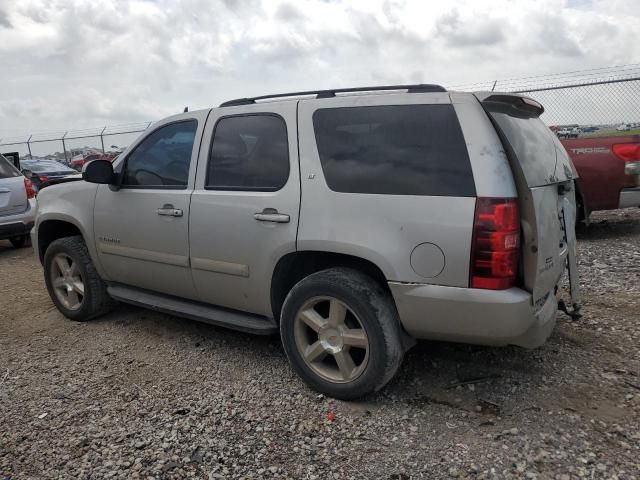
{"type": "Point", "coordinates": [186, 109]}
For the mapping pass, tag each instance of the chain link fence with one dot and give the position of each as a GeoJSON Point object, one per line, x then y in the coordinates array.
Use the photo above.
{"type": "Point", "coordinates": [612, 104]}
{"type": "Point", "coordinates": [596, 102]}
{"type": "Point", "coordinates": [64, 145]}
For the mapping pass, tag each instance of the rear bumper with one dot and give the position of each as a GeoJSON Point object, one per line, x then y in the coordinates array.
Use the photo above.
{"type": "Point", "coordinates": [485, 317]}
{"type": "Point", "coordinates": [18, 224]}
{"type": "Point", "coordinates": [629, 197]}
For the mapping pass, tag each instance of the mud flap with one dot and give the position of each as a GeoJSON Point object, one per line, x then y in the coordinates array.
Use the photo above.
{"type": "Point", "coordinates": [569, 222]}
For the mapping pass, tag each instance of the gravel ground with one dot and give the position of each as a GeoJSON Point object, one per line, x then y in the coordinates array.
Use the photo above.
{"type": "Point", "coordinates": [139, 394]}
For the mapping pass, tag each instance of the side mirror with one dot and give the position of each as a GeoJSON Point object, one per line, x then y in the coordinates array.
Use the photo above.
{"type": "Point", "coordinates": [98, 171]}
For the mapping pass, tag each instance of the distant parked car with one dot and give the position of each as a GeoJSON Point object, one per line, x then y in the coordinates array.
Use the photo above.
{"type": "Point", "coordinates": [17, 204]}
{"type": "Point", "coordinates": [78, 161]}
{"type": "Point", "coordinates": [46, 170]}
{"type": "Point", "coordinates": [569, 132]}
{"type": "Point", "coordinates": [623, 127]}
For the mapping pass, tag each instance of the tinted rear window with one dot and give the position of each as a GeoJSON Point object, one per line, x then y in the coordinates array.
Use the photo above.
{"type": "Point", "coordinates": [6, 169]}
{"type": "Point", "coordinates": [249, 152]}
{"type": "Point", "coordinates": [533, 145]}
{"type": "Point", "coordinates": [395, 150]}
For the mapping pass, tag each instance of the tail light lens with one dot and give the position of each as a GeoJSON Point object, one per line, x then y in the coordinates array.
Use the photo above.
{"type": "Point", "coordinates": [630, 153]}
{"type": "Point", "coordinates": [44, 178]}
{"type": "Point", "coordinates": [28, 187]}
{"type": "Point", "coordinates": [496, 243]}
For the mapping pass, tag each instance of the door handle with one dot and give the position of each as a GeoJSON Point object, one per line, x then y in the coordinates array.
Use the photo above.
{"type": "Point", "coordinates": [271, 215]}
{"type": "Point", "coordinates": [168, 210]}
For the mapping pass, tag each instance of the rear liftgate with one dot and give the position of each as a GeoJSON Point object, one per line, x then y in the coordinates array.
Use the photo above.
{"type": "Point", "coordinates": [544, 177]}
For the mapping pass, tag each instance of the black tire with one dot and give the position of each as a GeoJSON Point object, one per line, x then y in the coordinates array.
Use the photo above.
{"type": "Point", "coordinates": [96, 301]}
{"type": "Point", "coordinates": [377, 314]}
{"type": "Point", "coordinates": [582, 215]}
{"type": "Point", "coordinates": [18, 242]}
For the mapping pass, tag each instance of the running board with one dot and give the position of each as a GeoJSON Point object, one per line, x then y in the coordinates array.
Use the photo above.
{"type": "Point", "coordinates": [202, 312]}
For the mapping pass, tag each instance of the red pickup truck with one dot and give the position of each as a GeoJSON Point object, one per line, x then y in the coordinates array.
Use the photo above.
{"type": "Point", "coordinates": [78, 161]}
{"type": "Point", "coordinates": [609, 171]}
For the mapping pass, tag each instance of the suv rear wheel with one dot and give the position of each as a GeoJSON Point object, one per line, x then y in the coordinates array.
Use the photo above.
{"type": "Point", "coordinates": [72, 281]}
{"type": "Point", "coordinates": [341, 333]}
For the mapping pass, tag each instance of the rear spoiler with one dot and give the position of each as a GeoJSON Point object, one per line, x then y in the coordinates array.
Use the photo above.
{"type": "Point", "coordinates": [510, 103]}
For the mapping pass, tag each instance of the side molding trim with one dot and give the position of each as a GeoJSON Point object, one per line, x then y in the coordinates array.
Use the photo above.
{"type": "Point", "coordinates": [142, 254]}
{"type": "Point", "coordinates": [218, 266]}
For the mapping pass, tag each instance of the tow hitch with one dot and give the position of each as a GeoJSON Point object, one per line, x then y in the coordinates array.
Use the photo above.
{"type": "Point", "coordinates": [573, 311]}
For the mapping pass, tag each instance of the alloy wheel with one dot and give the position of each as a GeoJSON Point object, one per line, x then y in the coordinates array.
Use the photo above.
{"type": "Point", "coordinates": [67, 281]}
{"type": "Point", "coordinates": [331, 339]}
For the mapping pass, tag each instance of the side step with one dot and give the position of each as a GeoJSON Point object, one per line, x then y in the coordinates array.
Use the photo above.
{"type": "Point", "coordinates": [223, 317]}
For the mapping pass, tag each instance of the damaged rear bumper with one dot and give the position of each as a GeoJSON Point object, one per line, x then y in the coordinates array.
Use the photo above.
{"type": "Point", "coordinates": [485, 317]}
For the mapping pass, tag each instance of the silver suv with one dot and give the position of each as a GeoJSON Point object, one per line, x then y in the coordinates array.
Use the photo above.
{"type": "Point", "coordinates": [17, 204]}
{"type": "Point", "coordinates": [350, 221]}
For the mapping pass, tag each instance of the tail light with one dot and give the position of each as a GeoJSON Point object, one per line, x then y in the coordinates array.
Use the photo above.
{"type": "Point", "coordinates": [44, 178]}
{"type": "Point", "coordinates": [28, 187]}
{"type": "Point", "coordinates": [630, 154]}
{"type": "Point", "coordinates": [496, 244]}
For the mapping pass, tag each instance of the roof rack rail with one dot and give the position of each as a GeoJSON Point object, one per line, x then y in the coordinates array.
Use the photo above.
{"type": "Point", "coordinates": [416, 88]}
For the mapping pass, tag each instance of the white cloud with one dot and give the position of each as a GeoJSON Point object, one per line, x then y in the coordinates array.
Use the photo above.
{"type": "Point", "coordinates": [78, 63]}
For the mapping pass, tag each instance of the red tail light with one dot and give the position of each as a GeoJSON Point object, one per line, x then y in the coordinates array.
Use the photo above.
{"type": "Point", "coordinates": [629, 152]}
{"type": "Point", "coordinates": [28, 187]}
{"type": "Point", "coordinates": [44, 178]}
{"type": "Point", "coordinates": [495, 244]}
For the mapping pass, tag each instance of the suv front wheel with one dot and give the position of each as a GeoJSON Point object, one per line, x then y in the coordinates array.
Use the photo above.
{"type": "Point", "coordinates": [72, 281]}
{"type": "Point", "coordinates": [341, 333]}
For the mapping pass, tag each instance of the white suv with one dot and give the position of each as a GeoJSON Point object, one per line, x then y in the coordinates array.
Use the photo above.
{"type": "Point", "coordinates": [350, 221]}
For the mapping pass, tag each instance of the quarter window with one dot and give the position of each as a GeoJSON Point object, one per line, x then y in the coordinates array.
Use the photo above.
{"type": "Point", "coordinates": [6, 169]}
{"type": "Point", "coordinates": [249, 152]}
{"type": "Point", "coordinates": [163, 158]}
{"type": "Point", "coordinates": [394, 150]}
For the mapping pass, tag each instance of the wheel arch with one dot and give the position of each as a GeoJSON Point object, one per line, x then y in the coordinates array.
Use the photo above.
{"type": "Point", "coordinates": [294, 266]}
{"type": "Point", "coordinates": [50, 230]}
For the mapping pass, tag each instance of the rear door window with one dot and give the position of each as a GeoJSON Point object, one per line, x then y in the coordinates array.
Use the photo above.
{"type": "Point", "coordinates": [7, 170]}
{"type": "Point", "coordinates": [249, 152]}
{"type": "Point", "coordinates": [394, 150]}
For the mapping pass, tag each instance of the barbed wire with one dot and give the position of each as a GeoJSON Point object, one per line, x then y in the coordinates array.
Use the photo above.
{"type": "Point", "coordinates": [619, 72]}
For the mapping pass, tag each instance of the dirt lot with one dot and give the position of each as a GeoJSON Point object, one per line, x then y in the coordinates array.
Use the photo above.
{"type": "Point", "coordinates": [143, 395]}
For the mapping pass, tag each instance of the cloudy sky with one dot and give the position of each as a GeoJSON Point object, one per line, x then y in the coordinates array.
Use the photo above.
{"type": "Point", "coordinates": [75, 64]}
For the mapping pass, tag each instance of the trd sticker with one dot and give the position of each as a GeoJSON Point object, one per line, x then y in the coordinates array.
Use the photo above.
{"type": "Point", "coordinates": [590, 150]}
